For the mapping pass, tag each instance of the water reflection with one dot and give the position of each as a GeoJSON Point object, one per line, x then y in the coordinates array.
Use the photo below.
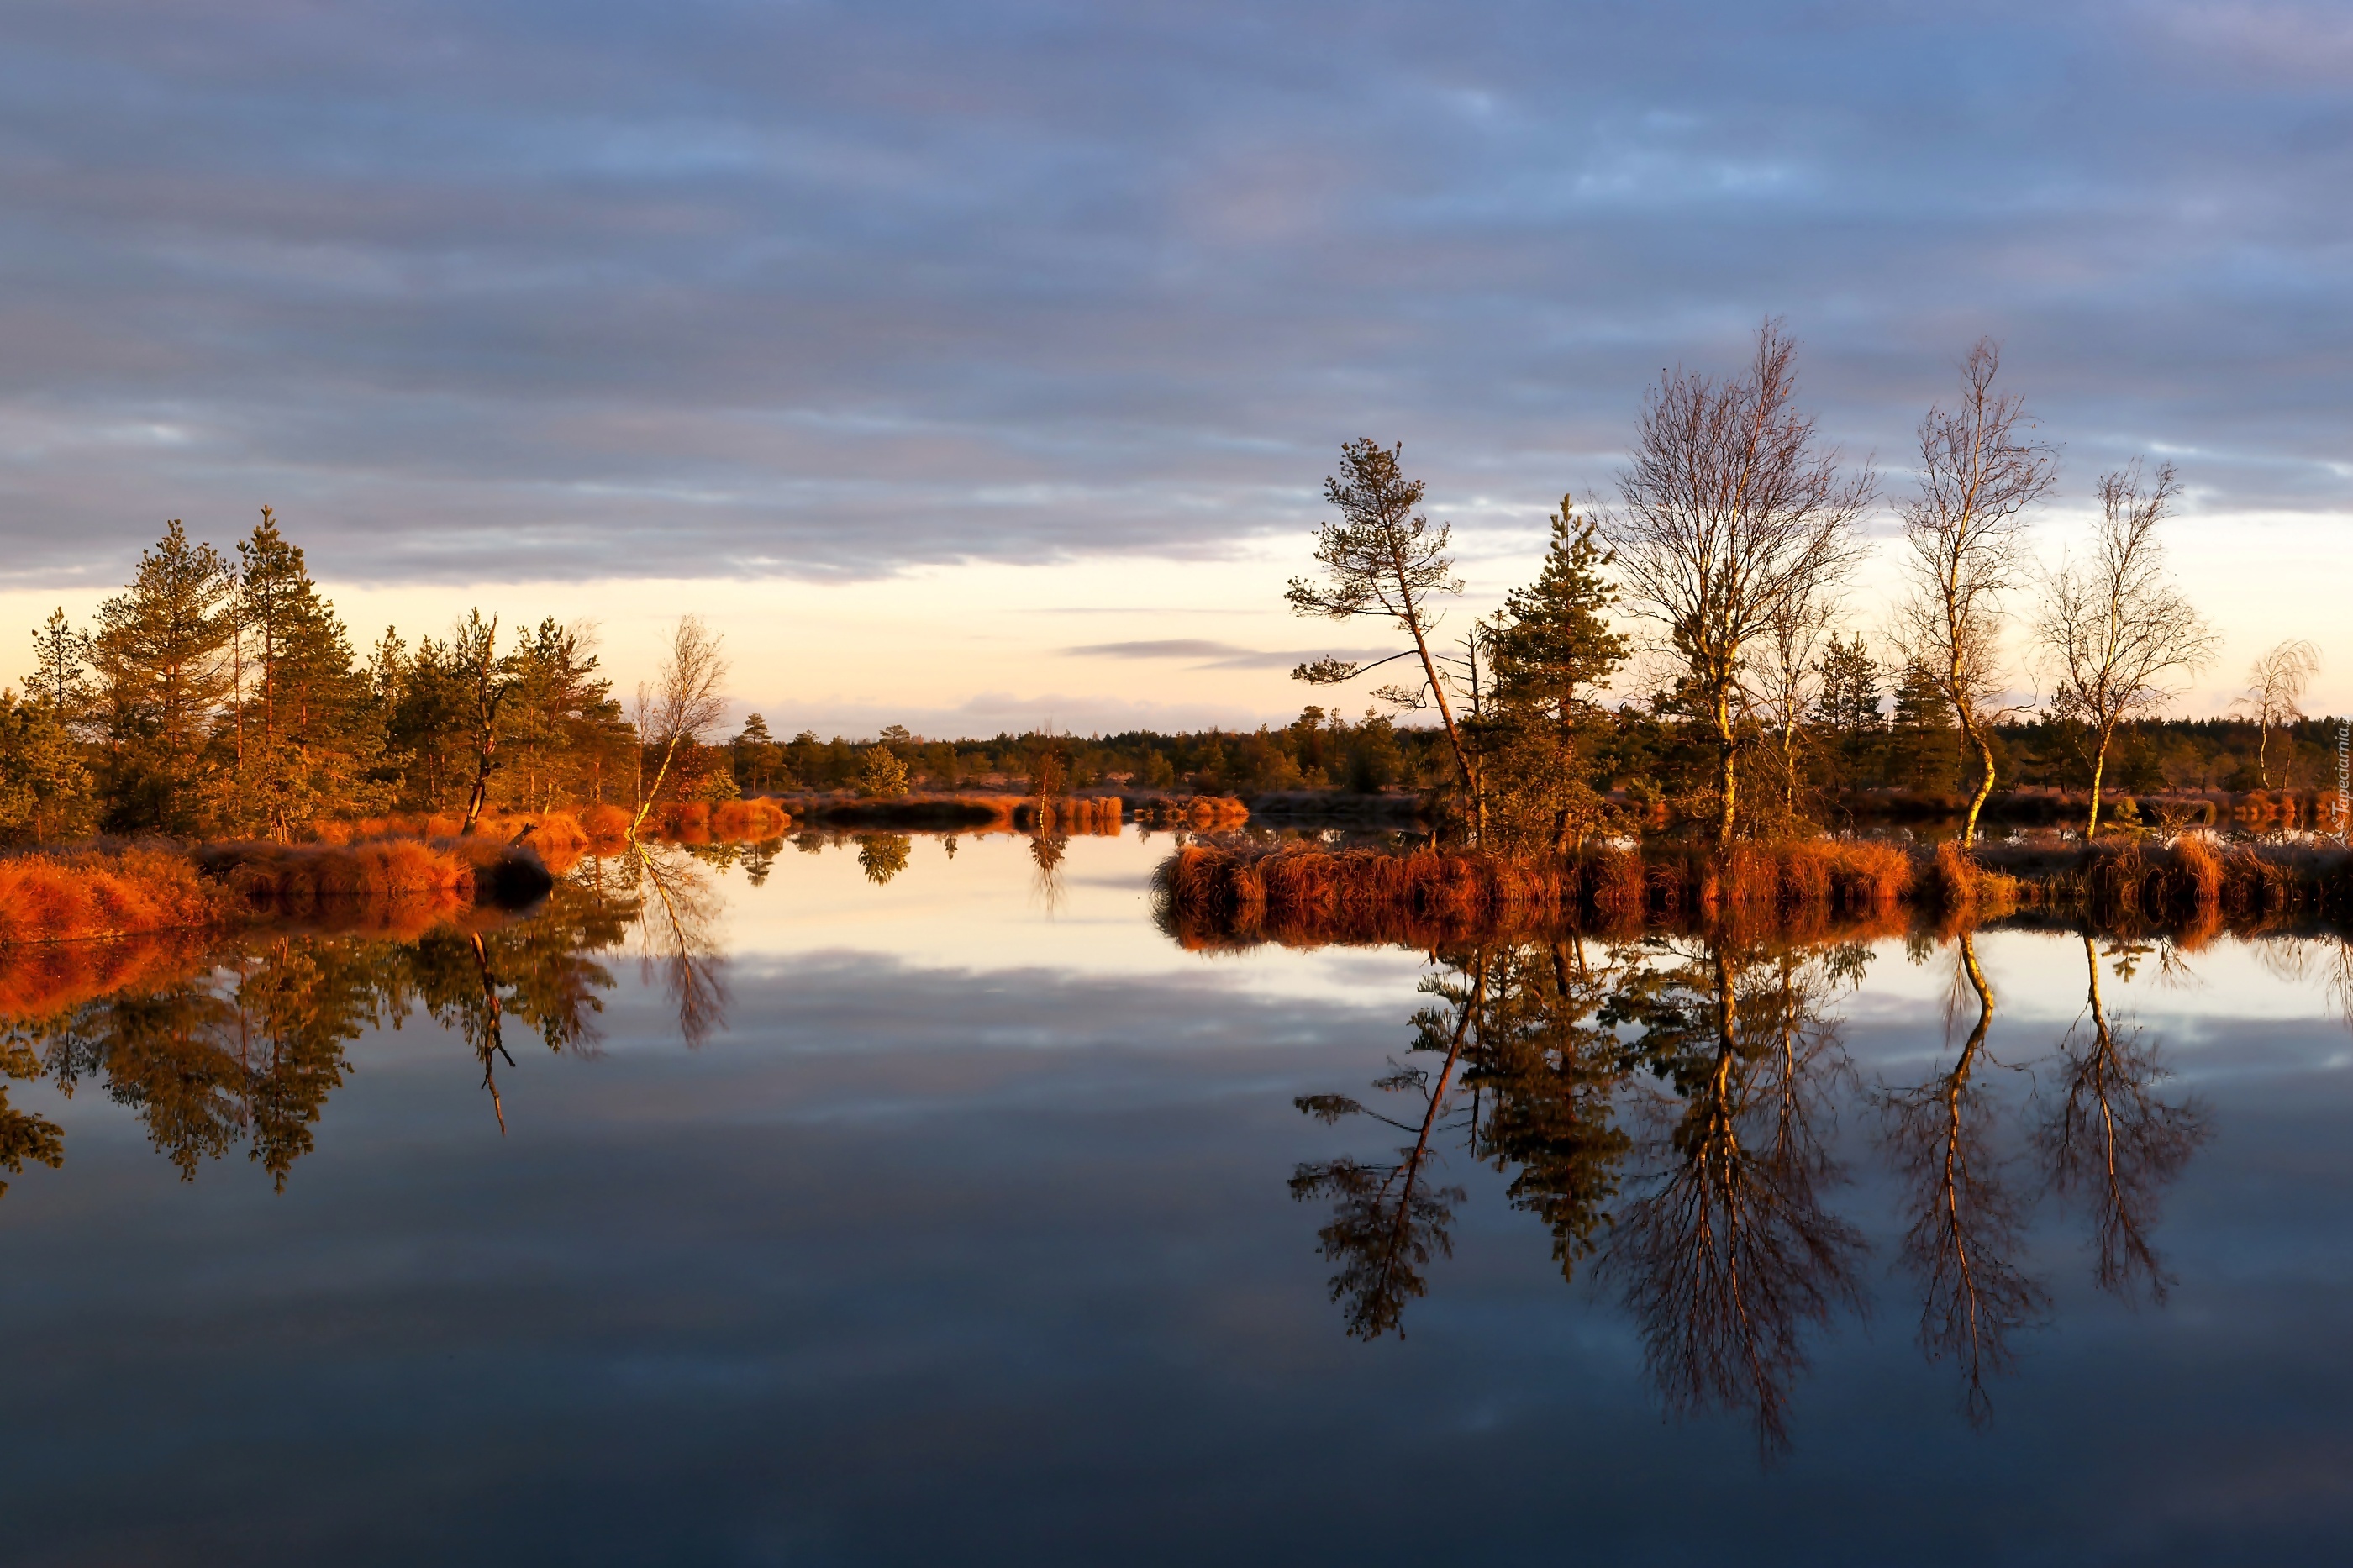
{"type": "Point", "coordinates": [2112, 1140]}
{"type": "Point", "coordinates": [215, 1051]}
{"type": "Point", "coordinates": [1670, 1106]}
{"type": "Point", "coordinates": [1966, 1210]}
{"type": "Point", "coordinates": [1728, 1252]}
{"type": "Point", "coordinates": [680, 937]}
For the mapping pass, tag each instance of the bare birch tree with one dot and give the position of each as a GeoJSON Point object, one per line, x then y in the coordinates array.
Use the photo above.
{"type": "Point", "coordinates": [2113, 628]}
{"type": "Point", "coordinates": [1731, 515]}
{"type": "Point", "coordinates": [2275, 687]}
{"type": "Point", "coordinates": [1781, 678]}
{"type": "Point", "coordinates": [1382, 559]}
{"type": "Point", "coordinates": [1978, 473]}
{"type": "Point", "coordinates": [683, 702]}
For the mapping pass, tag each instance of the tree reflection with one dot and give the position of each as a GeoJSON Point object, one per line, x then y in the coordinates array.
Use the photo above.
{"type": "Point", "coordinates": [247, 1049]}
{"type": "Point", "coordinates": [1046, 848]}
{"type": "Point", "coordinates": [1967, 1217]}
{"type": "Point", "coordinates": [24, 1134]}
{"type": "Point", "coordinates": [679, 939]}
{"type": "Point", "coordinates": [2113, 1141]}
{"type": "Point", "coordinates": [1546, 1071]}
{"type": "Point", "coordinates": [1388, 1220]}
{"type": "Point", "coordinates": [883, 855]}
{"type": "Point", "coordinates": [1728, 1253]}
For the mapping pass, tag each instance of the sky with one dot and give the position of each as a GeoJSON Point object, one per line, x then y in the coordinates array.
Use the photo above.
{"type": "Point", "coordinates": [977, 366]}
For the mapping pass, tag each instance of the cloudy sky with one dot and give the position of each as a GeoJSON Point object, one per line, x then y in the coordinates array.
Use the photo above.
{"type": "Point", "coordinates": [979, 364]}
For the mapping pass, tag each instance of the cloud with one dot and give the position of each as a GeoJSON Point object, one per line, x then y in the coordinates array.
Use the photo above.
{"type": "Point", "coordinates": [474, 292]}
{"type": "Point", "coordinates": [1210, 655]}
{"type": "Point", "coordinates": [1166, 647]}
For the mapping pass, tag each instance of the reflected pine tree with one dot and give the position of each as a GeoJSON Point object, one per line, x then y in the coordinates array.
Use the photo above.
{"type": "Point", "coordinates": [1966, 1215]}
{"type": "Point", "coordinates": [296, 1006]}
{"type": "Point", "coordinates": [24, 1134]}
{"type": "Point", "coordinates": [1546, 1071]}
{"type": "Point", "coordinates": [170, 1055]}
{"type": "Point", "coordinates": [883, 855]}
{"type": "Point", "coordinates": [1387, 1218]}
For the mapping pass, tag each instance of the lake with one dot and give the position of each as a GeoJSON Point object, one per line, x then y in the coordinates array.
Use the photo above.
{"type": "Point", "coordinates": [906, 1200]}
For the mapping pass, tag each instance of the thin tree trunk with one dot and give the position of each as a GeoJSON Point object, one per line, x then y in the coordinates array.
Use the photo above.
{"type": "Point", "coordinates": [1729, 784]}
{"type": "Point", "coordinates": [1445, 712]}
{"type": "Point", "coordinates": [481, 790]}
{"type": "Point", "coordinates": [1984, 745]}
{"type": "Point", "coordinates": [2099, 768]}
{"type": "Point", "coordinates": [646, 803]}
{"type": "Point", "coordinates": [487, 745]}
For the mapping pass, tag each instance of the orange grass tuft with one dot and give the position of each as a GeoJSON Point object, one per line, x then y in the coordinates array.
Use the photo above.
{"type": "Point", "coordinates": [607, 826]}
{"type": "Point", "coordinates": [78, 897]}
{"type": "Point", "coordinates": [749, 820]}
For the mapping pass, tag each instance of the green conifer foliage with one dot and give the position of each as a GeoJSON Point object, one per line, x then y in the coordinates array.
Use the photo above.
{"type": "Point", "coordinates": [564, 734]}
{"type": "Point", "coordinates": [302, 727]}
{"type": "Point", "coordinates": [1848, 710]}
{"type": "Point", "coordinates": [1552, 650]}
{"type": "Point", "coordinates": [162, 655]}
{"type": "Point", "coordinates": [45, 792]}
{"type": "Point", "coordinates": [1924, 739]}
{"type": "Point", "coordinates": [61, 681]}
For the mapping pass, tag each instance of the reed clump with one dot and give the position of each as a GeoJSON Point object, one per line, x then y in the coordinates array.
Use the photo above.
{"type": "Point", "coordinates": [108, 892]}
{"type": "Point", "coordinates": [297, 880]}
{"type": "Point", "coordinates": [1223, 893]}
{"type": "Point", "coordinates": [1213, 895]}
{"type": "Point", "coordinates": [1964, 890]}
{"type": "Point", "coordinates": [606, 827]}
{"type": "Point", "coordinates": [1200, 813]}
{"type": "Point", "coordinates": [752, 820]}
{"type": "Point", "coordinates": [1078, 814]}
{"type": "Point", "coordinates": [704, 822]}
{"type": "Point", "coordinates": [92, 894]}
{"type": "Point", "coordinates": [2190, 878]}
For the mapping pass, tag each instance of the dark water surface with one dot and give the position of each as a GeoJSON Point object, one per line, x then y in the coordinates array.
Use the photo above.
{"type": "Point", "coordinates": [963, 1216]}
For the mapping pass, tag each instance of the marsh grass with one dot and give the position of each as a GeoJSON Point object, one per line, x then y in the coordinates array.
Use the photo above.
{"type": "Point", "coordinates": [395, 885]}
{"type": "Point", "coordinates": [1219, 894]}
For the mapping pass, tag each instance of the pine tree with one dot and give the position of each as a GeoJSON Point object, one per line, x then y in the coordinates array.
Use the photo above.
{"type": "Point", "coordinates": [303, 728]}
{"type": "Point", "coordinates": [563, 730]}
{"type": "Point", "coordinates": [758, 759]}
{"type": "Point", "coordinates": [46, 791]}
{"type": "Point", "coordinates": [1924, 739]}
{"type": "Point", "coordinates": [426, 727]}
{"type": "Point", "coordinates": [60, 682]}
{"type": "Point", "coordinates": [1551, 651]}
{"type": "Point", "coordinates": [1848, 708]}
{"type": "Point", "coordinates": [162, 657]}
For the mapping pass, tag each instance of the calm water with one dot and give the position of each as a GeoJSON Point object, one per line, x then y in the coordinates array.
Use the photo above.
{"type": "Point", "coordinates": [965, 1216]}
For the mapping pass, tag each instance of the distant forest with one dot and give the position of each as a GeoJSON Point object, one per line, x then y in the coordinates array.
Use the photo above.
{"type": "Point", "coordinates": [1646, 751]}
